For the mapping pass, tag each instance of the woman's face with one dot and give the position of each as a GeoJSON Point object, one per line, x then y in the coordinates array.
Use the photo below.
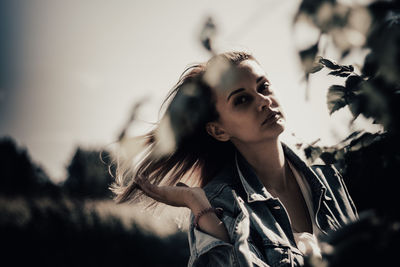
{"type": "Point", "coordinates": [248, 109]}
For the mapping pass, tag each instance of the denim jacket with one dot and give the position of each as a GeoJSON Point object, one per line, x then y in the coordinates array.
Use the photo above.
{"type": "Point", "coordinates": [258, 224]}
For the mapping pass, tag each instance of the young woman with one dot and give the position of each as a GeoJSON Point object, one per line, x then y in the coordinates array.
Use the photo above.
{"type": "Point", "coordinates": [255, 201]}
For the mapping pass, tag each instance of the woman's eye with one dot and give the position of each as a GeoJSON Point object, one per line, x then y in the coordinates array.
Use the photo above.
{"type": "Point", "coordinates": [265, 88]}
{"type": "Point", "coordinates": [241, 100]}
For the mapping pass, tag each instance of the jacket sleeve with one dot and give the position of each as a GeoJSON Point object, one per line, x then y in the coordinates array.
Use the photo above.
{"type": "Point", "coordinates": [206, 250]}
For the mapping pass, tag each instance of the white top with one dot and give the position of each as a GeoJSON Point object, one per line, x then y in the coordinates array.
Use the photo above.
{"type": "Point", "coordinates": [307, 243]}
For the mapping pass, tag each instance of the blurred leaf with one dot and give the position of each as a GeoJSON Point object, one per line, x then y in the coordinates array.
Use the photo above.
{"type": "Point", "coordinates": [312, 153]}
{"type": "Point", "coordinates": [315, 142]}
{"type": "Point", "coordinates": [219, 73]}
{"type": "Point", "coordinates": [329, 64]}
{"type": "Point", "coordinates": [347, 68]}
{"type": "Point", "coordinates": [345, 53]}
{"type": "Point", "coordinates": [335, 72]}
{"type": "Point", "coordinates": [380, 9]}
{"type": "Point", "coordinates": [299, 145]}
{"type": "Point", "coordinates": [165, 138]}
{"type": "Point", "coordinates": [352, 82]}
{"type": "Point", "coordinates": [132, 117]}
{"type": "Point", "coordinates": [307, 57]}
{"type": "Point", "coordinates": [207, 43]}
{"type": "Point", "coordinates": [363, 141]}
{"type": "Point", "coordinates": [339, 73]}
{"type": "Point", "coordinates": [323, 17]}
{"type": "Point", "coordinates": [370, 66]}
{"type": "Point", "coordinates": [311, 7]}
{"type": "Point", "coordinates": [377, 100]}
{"type": "Point", "coordinates": [316, 67]}
{"type": "Point", "coordinates": [207, 34]}
{"type": "Point", "coordinates": [340, 155]}
{"type": "Point", "coordinates": [352, 136]}
{"type": "Point", "coordinates": [327, 157]}
{"type": "Point", "coordinates": [360, 19]}
{"type": "Point", "coordinates": [336, 98]}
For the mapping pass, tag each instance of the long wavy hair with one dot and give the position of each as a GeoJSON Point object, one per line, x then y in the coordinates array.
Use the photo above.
{"type": "Point", "coordinates": [194, 157]}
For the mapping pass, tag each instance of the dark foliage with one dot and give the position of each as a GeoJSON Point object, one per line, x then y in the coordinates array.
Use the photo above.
{"type": "Point", "coordinates": [19, 176]}
{"type": "Point", "coordinates": [88, 174]}
{"type": "Point", "coordinates": [45, 232]}
{"type": "Point", "coordinates": [370, 241]}
{"type": "Point", "coordinates": [363, 157]}
{"type": "Point", "coordinates": [369, 162]}
{"type": "Point", "coordinates": [42, 225]}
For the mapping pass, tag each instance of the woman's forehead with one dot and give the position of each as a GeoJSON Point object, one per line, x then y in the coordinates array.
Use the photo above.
{"type": "Point", "coordinates": [251, 68]}
{"type": "Point", "coordinates": [245, 72]}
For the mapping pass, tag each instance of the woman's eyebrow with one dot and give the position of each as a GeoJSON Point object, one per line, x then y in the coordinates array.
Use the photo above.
{"type": "Point", "coordinates": [235, 92]}
{"type": "Point", "coordinates": [242, 89]}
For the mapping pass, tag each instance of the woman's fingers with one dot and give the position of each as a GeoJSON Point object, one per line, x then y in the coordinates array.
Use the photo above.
{"type": "Point", "coordinates": [171, 195]}
{"type": "Point", "coordinates": [180, 195]}
{"type": "Point", "coordinates": [148, 188]}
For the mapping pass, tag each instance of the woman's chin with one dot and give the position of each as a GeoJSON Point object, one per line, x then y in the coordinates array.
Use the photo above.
{"type": "Point", "coordinates": [279, 125]}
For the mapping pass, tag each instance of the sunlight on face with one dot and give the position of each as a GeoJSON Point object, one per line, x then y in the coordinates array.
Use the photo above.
{"type": "Point", "coordinates": [249, 110]}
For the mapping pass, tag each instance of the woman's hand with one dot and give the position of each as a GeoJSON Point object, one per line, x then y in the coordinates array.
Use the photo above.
{"type": "Point", "coordinates": [193, 198]}
{"type": "Point", "coordinates": [181, 195]}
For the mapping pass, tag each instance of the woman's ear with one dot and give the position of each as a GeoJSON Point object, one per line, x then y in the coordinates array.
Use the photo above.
{"type": "Point", "coordinates": [216, 131]}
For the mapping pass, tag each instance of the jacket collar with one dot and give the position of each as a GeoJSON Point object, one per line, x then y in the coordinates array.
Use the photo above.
{"type": "Point", "coordinates": [256, 191]}
{"type": "Point", "coordinates": [253, 187]}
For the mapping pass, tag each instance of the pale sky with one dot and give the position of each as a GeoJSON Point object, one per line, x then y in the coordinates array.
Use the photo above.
{"type": "Point", "coordinates": [81, 65]}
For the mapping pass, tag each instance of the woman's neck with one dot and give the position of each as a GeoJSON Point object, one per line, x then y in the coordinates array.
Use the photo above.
{"type": "Point", "coordinates": [268, 161]}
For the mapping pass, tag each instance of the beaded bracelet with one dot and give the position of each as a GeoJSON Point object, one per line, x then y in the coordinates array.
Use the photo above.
{"type": "Point", "coordinates": [217, 211]}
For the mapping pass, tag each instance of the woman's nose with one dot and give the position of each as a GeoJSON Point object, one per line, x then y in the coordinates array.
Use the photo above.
{"type": "Point", "coordinates": [264, 102]}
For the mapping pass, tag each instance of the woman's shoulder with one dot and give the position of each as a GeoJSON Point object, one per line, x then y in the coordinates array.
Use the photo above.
{"type": "Point", "coordinates": [328, 174]}
{"type": "Point", "coordinates": [221, 190]}
{"type": "Point", "coordinates": [336, 186]}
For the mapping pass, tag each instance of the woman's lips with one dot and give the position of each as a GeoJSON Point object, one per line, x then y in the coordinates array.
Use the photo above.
{"type": "Point", "coordinates": [271, 117]}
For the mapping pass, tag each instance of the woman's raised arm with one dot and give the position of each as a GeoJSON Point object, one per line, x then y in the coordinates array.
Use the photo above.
{"type": "Point", "coordinates": [193, 198]}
